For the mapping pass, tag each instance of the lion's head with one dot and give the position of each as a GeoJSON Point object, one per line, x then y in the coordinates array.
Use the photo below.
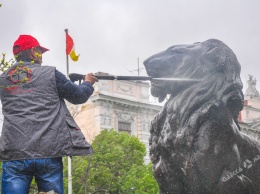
{"type": "Point", "coordinates": [193, 105]}
{"type": "Point", "coordinates": [211, 62]}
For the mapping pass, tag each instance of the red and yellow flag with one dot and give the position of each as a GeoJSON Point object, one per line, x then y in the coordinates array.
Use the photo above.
{"type": "Point", "coordinates": [70, 48]}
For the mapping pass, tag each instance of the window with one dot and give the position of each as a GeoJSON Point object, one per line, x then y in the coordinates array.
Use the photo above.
{"type": "Point", "coordinates": [124, 127]}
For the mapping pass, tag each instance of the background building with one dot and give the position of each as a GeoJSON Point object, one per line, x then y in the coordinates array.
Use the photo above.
{"type": "Point", "coordinates": [249, 117]}
{"type": "Point", "coordinates": [119, 105]}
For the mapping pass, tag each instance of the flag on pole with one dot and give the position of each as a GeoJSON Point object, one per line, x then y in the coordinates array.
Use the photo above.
{"type": "Point", "coordinates": [70, 48]}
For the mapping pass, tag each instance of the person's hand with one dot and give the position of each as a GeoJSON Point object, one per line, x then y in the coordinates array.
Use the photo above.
{"type": "Point", "coordinates": [90, 78]}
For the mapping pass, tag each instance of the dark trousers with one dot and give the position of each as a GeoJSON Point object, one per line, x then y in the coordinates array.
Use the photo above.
{"type": "Point", "coordinates": [18, 174]}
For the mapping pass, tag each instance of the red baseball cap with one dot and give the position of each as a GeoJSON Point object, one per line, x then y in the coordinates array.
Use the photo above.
{"type": "Point", "coordinates": [26, 42]}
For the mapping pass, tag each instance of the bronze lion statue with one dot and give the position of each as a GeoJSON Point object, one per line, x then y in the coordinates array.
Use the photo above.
{"type": "Point", "coordinates": [196, 145]}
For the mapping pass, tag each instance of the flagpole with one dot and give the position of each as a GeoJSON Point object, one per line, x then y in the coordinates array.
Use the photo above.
{"type": "Point", "coordinates": [69, 159]}
{"type": "Point", "coordinates": [67, 57]}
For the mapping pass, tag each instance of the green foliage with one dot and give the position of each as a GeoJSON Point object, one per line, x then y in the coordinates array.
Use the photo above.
{"type": "Point", "coordinates": [33, 187]}
{"type": "Point", "coordinates": [115, 167]}
{"type": "Point", "coordinates": [4, 64]}
{"type": "Point", "coordinates": [140, 180]}
{"type": "Point", "coordinates": [1, 175]}
{"type": "Point", "coordinates": [65, 173]}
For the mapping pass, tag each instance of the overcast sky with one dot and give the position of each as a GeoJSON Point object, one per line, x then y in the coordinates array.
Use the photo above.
{"type": "Point", "coordinates": [110, 35]}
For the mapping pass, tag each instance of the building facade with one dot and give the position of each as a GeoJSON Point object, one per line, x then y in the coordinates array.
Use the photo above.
{"type": "Point", "coordinates": [249, 117]}
{"type": "Point", "coordinates": [118, 105]}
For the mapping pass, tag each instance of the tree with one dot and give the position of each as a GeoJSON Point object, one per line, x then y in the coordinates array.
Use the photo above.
{"type": "Point", "coordinates": [4, 64]}
{"type": "Point", "coordinates": [140, 180]}
{"type": "Point", "coordinates": [1, 170]}
{"type": "Point", "coordinates": [117, 161]}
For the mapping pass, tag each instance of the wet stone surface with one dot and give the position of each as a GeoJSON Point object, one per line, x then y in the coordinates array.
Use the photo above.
{"type": "Point", "coordinates": [195, 143]}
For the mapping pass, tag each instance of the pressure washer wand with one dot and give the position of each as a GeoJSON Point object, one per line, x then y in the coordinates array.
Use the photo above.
{"type": "Point", "coordinates": [79, 77]}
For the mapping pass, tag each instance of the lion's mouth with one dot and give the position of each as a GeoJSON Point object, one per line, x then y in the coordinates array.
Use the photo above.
{"type": "Point", "coordinates": [158, 89]}
{"type": "Point", "coordinates": [152, 73]}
